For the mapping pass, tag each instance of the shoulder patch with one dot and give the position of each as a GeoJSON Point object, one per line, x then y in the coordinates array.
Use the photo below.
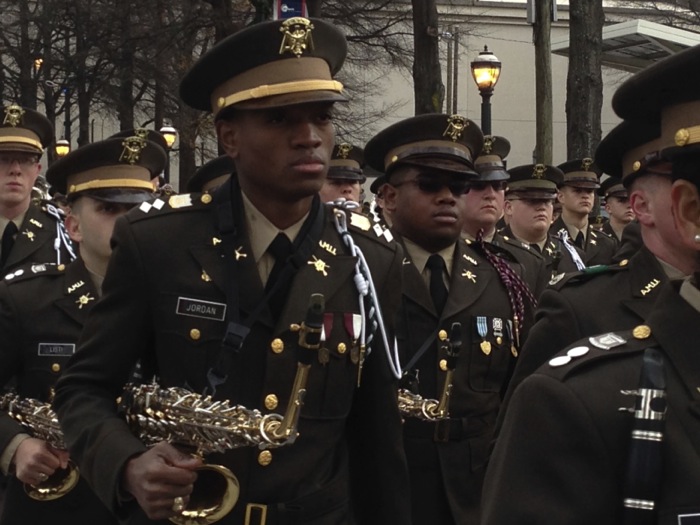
{"type": "Point", "coordinates": [585, 275]}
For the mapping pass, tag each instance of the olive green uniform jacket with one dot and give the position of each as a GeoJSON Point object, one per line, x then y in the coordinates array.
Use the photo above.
{"type": "Point", "coordinates": [599, 247]}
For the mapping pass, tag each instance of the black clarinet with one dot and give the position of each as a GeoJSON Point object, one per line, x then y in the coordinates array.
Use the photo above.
{"type": "Point", "coordinates": [643, 475]}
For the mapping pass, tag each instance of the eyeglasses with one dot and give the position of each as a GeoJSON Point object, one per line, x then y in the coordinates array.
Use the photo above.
{"type": "Point", "coordinates": [431, 186]}
{"type": "Point", "coordinates": [481, 185]}
{"type": "Point", "coordinates": [24, 161]}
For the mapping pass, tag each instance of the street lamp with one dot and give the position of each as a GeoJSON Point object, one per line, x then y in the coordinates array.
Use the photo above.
{"type": "Point", "coordinates": [170, 135]}
{"type": "Point", "coordinates": [486, 69]}
{"type": "Point", "coordinates": [62, 147]}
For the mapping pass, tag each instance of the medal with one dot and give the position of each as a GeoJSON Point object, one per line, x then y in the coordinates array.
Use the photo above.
{"type": "Point", "coordinates": [483, 328]}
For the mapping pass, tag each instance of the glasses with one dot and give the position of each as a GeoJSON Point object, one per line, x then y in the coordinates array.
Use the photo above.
{"type": "Point", "coordinates": [431, 186]}
{"type": "Point", "coordinates": [481, 185]}
{"type": "Point", "coordinates": [24, 162]}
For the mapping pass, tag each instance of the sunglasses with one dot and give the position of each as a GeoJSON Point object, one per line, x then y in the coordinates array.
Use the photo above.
{"type": "Point", "coordinates": [431, 186]}
{"type": "Point", "coordinates": [481, 185]}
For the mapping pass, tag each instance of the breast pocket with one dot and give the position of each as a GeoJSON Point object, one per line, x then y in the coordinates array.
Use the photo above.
{"type": "Point", "coordinates": [490, 353]}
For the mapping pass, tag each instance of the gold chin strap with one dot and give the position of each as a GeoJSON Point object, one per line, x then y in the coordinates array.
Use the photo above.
{"type": "Point", "coordinates": [111, 183]}
{"type": "Point", "coordinates": [284, 88]}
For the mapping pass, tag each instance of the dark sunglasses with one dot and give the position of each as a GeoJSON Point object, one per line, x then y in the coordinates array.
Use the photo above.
{"type": "Point", "coordinates": [481, 185]}
{"type": "Point", "coordinates": [431, 186]}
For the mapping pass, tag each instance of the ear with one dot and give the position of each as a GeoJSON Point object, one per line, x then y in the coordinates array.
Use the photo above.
{"type": "Point", "coordinates": [390, 195]}
{"type": "Point", "coordinates": [685, 207]}
{"type": "Point", "coordinates": [507, 208]}
{"type": "Point", "coordinates": [560, 196]}
{"type": "Point", "coordinates": [228, 130]}
{"type": "Point", "coordinates": [642, 207]}
{"type": "Point", "coordinates": [72, 223]}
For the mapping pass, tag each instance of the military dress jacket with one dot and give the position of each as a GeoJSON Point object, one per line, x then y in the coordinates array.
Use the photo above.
{"type": "Point", "coordinates": [37, 239]}
{"type": "Point", "coordinates": [562, 453]}
{"type": "Point", "coordinates": [557, 258]}
{"type": "Point", "coordinates": [447, 459]}
{"type": "Point", "coordinates": [590, 302]}
{"type": "Point", "coordinates": [534, 271]}
{"type": "Point", "coordinates": [43, 308]}
{"type": "Point", "coordinates": [599, 247]}
{"type": "Point", "coordinates": [164, 302]}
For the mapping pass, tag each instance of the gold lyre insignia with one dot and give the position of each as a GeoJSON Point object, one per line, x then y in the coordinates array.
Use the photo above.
{"type": "Point", "coordinates": [488, 145]}
{"type": "Point", "coordinates": [539, 171]}
{"type": "Point", "coordinates": [84, 300]}
{"type": "Point", "coordinates": [456, 125]}
{"type": "Point", "coordinates": [344, 150]}
{"type": "Point", "coordinates": [133, 146]}
{"type": "Point", "coordinates": [239, 253]}
{"type": "Point", "coordinates": [297, 36]}
{"type": "Point", "coordinates": [13, 115]}
{"type": "Point", "coordinates": [586, 163]}
{"type": "Point", "coordinates": [319, 265]}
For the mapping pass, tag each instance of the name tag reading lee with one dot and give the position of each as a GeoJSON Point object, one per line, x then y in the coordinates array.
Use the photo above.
{"type": "Point", "coordinates": [199, 308]}
{"type": "Point", "coordinates": [56, 349]}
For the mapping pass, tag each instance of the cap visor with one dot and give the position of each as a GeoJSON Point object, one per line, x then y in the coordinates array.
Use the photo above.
{"type": "Point", "coordinates": [289, 99]}
{"type": "Point", "coordinates": [118, 195]}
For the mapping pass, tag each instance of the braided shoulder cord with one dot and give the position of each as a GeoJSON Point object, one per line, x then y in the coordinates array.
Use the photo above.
{"type": "Point", "coordinates": [62, 237]}
{"type": "Point", "coordinates": [516, 288]}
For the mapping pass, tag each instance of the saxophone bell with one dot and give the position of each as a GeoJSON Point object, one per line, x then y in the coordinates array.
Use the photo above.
{"type": "Point", "coordinates": [57, 485]}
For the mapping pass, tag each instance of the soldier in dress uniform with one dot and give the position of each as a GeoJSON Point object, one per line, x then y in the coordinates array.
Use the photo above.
{"type": "Point", "coordinates": [617, 204]}
{"type": "Point", "coordinates": [428, 164]}
{"type": "Point", "coordinates": [100, 186]}
{"type": "Point", "coordinates": [211, 175]}
{"type": "Point", "coordinates": [30, 232]}
{"type": "Point", "coordinates": [345, 176]}
{"type": "Point", "coordinates": [608, 430]}
{"type": "Point", "coordinates": [532, 190]}
{"type": "Point", "coordinates": [209, 292]}
{"type": "Point", "coordinates": [576, 194]}
{"type": "Point", "coordinates": [483, 207]}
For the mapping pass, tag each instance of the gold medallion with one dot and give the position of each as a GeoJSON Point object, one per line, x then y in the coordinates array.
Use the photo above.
{"type": "Point", "coordinates": [485, 347]}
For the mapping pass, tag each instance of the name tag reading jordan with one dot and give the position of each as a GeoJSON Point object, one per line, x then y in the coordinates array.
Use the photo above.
{"type": "Point", "coordinates": [56, 349]}
{"type": "Point", "coordinates": [199, 308]}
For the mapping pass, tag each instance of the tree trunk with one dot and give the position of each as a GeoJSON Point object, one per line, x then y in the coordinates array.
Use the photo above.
{"type": "Point", "coordinates": [428, 88]}
{"type": "Point", "coordinates": [125, 106]}
{"type": "Point", "coordinates": [584, 85]}
{"type": "Point", "coordinates": [543, 80]}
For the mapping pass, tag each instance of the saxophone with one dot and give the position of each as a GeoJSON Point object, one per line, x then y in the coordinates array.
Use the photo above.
{"type": "Point", "coordinates": [39, 420]}
{"type": "Point", "coordinates": [413, 405]}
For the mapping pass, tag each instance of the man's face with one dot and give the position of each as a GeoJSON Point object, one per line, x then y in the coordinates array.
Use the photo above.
{"type": "Point", "coordinates": [18, 173]}
{"type": "Point", "coordinates": [483, 205]}
{"type": "Point", "coordinates": [424, 206]}
{"type": "Point", "coordinates": [347, 189]}
{"type": "Point", "coordinates": [578, 201]}
{"type": "Point", "coordinates": [619, 208]}
{"type": "Point", "coordinates": [530, 219]}
{"type": "Point", "coordinates": [280, 153]}
{"type": "Point", "coordinates": [90, 222]}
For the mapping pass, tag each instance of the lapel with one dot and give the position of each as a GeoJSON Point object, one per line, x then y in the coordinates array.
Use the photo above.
{"type": "Point", "coordinates": [471, 275]}
{"type": "Point", "coordinates": [592, 246]}
{"type": "Point", "coordinates": [413, 285]}
{"type": "Point", "coordinates": [36, 230]}
{"type": "Point", "coordinates": [646, 277]}
{"type": "Point", "coordinates": [79, 292]}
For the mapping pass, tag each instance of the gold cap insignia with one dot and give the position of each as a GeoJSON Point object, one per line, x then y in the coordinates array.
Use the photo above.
{"type": "Point", "coordinates": [455, 127]}
{"type": "Point", "coordinates": [297, 36]}
{"type": "Point", "coordinates": [488, 144]}
{"type": "Point", "coordinates": [586, 163]}
{"type": "Point", "coordinates": [344, 150]}
{"type": "Point", "coordinates": [539, 171]}
{"type": "Point", "coordinates": [132, 147]}
{"type": "Point", "coordinates": [13, 115]}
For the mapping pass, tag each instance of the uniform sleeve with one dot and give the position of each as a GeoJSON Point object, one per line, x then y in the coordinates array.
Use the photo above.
{"type": "Point", "coordinates": [114, 338]}
{"type": "Point", "coordinates": [550, 464]}
{"type": "Point", "coordinates": [379, 475]}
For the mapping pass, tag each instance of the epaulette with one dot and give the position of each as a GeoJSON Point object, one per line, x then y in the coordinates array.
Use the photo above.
{"type": "Point", "coordinates": [563, 279]}
{"type": "Point", "coordinates": [175, 203]}
{"type": "Point", "coordinates": [30, 271]}
{"type": "Point", "coordinates": [359, 222]}
{"type": "Point", "coordinates": [596, 348]}
{"type": "Point", "coordinates": [500, 251]}
{"type": "Point", "coordinates": [519, 245]}
{"type": "Point", "coordinates": [600, 233]}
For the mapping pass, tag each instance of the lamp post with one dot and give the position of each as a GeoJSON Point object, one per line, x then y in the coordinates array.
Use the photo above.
{"type": "Point", "coordinates": [486, 69]}
{"type": "Point", "coordinates": [170, 135]}
{"type": "Point", "coordinates": [62, 147]}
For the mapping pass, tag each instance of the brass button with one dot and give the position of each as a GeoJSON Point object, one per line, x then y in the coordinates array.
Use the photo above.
{"type": "Point", "coordinates": [442, 335]}
{"type": "Point", "coordinates": [271, 401]}
{"type": "Point", "coordinates": [443, 365]}
{"type": "Point", "coordinates": [277, 345]}
{"type": "Point", "coordinates": [206, 198]}
{"type": "Point", "coordinates": [195, 334]}
{"type": "Point", "coordinates": [61, 267]}
{"type": "Point", "coordinates": [624, 262]}
{"type": "Point", "coordinates": [265, 458]}
{"type": "Point", "coordinates": [641, 332]}
{"type": "Point", "coordinates": [294, 327]}
{"type": "Point", "coordinates": [56, 367]}
{"type": "Point", "coordinates": [342, 348]}
{"type": "Point", "coordinates": [499, 340]}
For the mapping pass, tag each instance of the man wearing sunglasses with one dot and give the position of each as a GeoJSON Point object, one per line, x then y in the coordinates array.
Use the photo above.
{"type": "Point", "coordinates": [30, 233]}
{"type": "Point", "coordinates": [428, 165]}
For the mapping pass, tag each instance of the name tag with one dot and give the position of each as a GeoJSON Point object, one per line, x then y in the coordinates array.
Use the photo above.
{"type": "Point", "coordinates": [199, 308]}
{"type": "Point", "coordinates": [689, 519]}
{"type": "Point", "coordinates": [56, 349]}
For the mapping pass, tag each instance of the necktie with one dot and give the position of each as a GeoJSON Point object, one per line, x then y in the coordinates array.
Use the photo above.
{"type": "Point", "coordinates": [579, 240]}
{"type": "Point", "coordinates": [438, 290]}
{"type": "Point", "coordinates": [8, 241]}
{"type": "Point", "coordinates": [280, 248]}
